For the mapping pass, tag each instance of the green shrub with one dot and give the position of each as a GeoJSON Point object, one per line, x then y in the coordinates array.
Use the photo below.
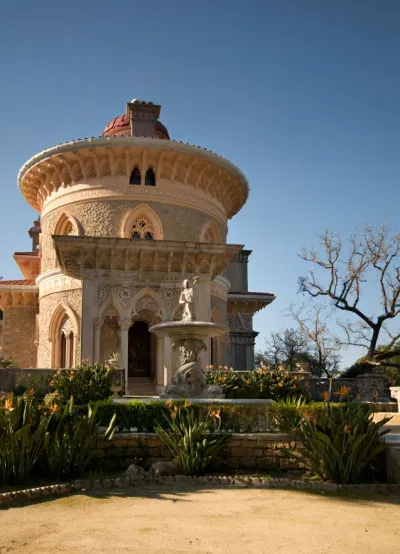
{"type": "Point", "coordinates": [69, 442]}
{"type": "Point", "coordinates": [86, 383]}
{"type": "Point", "coordinates": [286, 415]}
{"type": "Point", "coordinates": [22, 432]}
{"type": "Point", "coordinates": [194, 441]}
{"type": "Point", "coordinates": [340, 445]}
{"type": "Point", "coordinates": [130, 416]}
{"type": "Point", "coordinates": [259, 383]}
{"type": "Point", "coordinates": [142, 416]}
{"type": "Point", "coordinates": [36, 381]}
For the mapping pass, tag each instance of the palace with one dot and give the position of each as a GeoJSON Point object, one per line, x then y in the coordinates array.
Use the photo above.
{"type": "Point", "coordinates": [124, 219]}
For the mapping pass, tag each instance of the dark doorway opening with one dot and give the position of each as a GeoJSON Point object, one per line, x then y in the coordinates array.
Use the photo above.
{"type": "Point", "coordinates": [139, 350]}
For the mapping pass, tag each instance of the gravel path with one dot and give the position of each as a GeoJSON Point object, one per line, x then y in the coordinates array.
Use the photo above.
{"type": "Point", "coordinates": [158, 519]}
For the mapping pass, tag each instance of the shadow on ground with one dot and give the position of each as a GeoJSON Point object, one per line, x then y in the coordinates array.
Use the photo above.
{"type": "Point", "coordinates": [179, 493]}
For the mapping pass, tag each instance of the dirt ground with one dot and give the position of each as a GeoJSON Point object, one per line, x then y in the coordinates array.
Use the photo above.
{"type": "Point", "coordinates": [157, 519]}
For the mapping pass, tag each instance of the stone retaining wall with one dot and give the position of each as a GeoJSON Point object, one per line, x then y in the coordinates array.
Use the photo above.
{"type": "Point", "coordinates": [263, 451]}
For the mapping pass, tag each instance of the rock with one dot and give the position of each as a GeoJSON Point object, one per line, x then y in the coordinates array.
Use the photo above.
{"type": "Point", "coordinates": [164, 469]}
{"type": "Point", "coordinates": [134, 472]}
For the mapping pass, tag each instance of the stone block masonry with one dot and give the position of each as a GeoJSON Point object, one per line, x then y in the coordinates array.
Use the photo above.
{"type": "Point", "coordinates": [19, 331]}
{"type": "Point", "coordinates": [259, 452]}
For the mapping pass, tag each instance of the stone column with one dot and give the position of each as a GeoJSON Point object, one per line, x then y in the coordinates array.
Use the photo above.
{"type": "Point", "coordinates": [124, 326]}
{"type": "Point", "coordinates": [202, 311]}
{"type": "Point", "coordinates": [250, 356]}
{"type": "Point", "coordinates": [169, 367]}
{"type": "Point", "coordinates": [96, 339]}
{"type": "Point", "coordinates": [160, 381]}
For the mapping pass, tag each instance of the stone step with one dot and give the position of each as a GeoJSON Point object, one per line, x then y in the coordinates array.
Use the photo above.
{"type": "Point", "coordinates": [141, 386]}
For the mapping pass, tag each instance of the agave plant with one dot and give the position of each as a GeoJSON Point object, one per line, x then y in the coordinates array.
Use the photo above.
{"type": "Point", "coordinates": [69, 445]}
{"type": "Point", "coordinates": [194, 441]}
{"type": "Point", "coordinates": [341, 445]}
{"type": "Point", "coordinates": [22, 433]}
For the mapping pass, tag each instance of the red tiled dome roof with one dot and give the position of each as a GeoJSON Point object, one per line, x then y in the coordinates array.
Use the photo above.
{"type": "Point", "coordinates": [120, 126]}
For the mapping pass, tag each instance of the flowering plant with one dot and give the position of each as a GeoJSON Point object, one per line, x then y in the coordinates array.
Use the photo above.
{"type": "Point", "coordinates": [86, 383]}
{"type": "Point", "coordinates": [262, 382]}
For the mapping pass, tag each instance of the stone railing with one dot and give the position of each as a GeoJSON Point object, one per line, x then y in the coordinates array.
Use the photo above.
{"type": "Point", "coordinates": [13, 377]}
{"type": "Point", "coordinates": [368, 387]}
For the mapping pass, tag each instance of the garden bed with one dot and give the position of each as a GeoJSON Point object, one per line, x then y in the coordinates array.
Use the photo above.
{"type": "Point", "coordinates": [83, 486]}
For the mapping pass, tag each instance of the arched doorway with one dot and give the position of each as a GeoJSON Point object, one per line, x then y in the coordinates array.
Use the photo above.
{"type": "Point", "coordinates": [139, 350]}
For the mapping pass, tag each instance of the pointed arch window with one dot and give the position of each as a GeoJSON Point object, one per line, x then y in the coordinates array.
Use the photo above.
{"type": "Point", "coordinates": [135, 177]}
{"type": "Point", "coordinates": [142, 228]}
{"type": "Point", "coordinates": [150, 179]}
{"type": "Point", "coordinates": [66, 344]}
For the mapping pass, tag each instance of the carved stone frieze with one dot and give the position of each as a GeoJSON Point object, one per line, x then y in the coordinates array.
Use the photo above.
{"type": "Point", "coordinates": [57, 284]}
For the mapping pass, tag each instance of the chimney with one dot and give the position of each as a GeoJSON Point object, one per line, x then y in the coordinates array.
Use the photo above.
{"type": "Point", "coordinates": [143, 117]}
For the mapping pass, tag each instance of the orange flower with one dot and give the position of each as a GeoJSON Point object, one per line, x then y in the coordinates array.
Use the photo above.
{"type": "Point", "coordinates": [347, 428]}
{"type": "Point", "coordinates": [53, 408]}
{"type": "Point", "coordinates": [343, 391]}
{"type": "Point", "coordinates": [8, 404]}
{"type": "Point", "coordinates": [325, 396]}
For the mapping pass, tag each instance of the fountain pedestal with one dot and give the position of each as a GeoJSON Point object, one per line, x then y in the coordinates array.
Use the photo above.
{"type": "Point", "coordinates": [189, 336]}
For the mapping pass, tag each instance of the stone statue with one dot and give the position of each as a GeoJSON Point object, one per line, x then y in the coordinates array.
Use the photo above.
{"type": "Point", "coordinates": [189, 379]}
{"type": "Point", "coordinates": [186, 298]}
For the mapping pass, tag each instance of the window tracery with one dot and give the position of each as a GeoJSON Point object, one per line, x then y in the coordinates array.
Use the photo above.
{"type": "Point", "coordinates": [142, 228]}
{"type": "Point", "coordinates": [66, 342]}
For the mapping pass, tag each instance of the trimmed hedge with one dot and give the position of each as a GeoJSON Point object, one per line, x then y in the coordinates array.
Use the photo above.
{"type": "Point", "coordinates": [142, 416]}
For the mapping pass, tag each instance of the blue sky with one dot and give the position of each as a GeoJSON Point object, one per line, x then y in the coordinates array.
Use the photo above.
{"type": "Point", "coordinates": [303, 95]}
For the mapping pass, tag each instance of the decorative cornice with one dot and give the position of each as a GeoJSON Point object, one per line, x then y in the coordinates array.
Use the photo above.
{"type": "Point", "coordinates": [248, 303]}
{"type": "Point", "coordinates": [78, 162]}
{"type": "Point", "coordinates": [17, 296]}
{"type": "Point", "coordinates": [92, 257]}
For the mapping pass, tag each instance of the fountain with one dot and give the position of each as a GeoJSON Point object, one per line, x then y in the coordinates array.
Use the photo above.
{"type": "Point", "coordinates": [189, 335]}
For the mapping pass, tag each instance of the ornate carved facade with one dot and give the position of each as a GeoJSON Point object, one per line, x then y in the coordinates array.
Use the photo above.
{"type": "Point", "coordinates": [124, 219]}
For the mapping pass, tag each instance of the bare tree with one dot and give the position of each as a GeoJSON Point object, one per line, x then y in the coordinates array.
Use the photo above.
{"type": "Point", "coordinates": [373, 259]}
{"type": "Point", "coordinates": [323, 347]}
{"type": "Point", "coordinates": [285, 348]}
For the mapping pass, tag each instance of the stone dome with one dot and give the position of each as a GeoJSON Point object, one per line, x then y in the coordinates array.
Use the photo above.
{"type": "Point", "coordinates": [120, 127]}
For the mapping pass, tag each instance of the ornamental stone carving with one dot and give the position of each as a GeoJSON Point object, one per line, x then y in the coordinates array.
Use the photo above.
{"type": "Point", "coordinates": [170, 297]}
{"type": "Point", "coordinates": [103, 292]}
{"type": "Point", "coordinates": [124, 295]}
{"type": "Point", "coordinates": [147, 303]}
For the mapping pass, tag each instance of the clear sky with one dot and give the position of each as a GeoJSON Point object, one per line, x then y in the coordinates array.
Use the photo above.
{"type": "Point", "coordinates": [303, 95]}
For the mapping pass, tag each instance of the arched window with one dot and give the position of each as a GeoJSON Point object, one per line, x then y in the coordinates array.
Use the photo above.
{"type": "Point", "coordinates": [135, 177]}
{"type": "Point", "coordinates": [150, 179]}
{"type": "Point", "coordinates": [66, 342]}
{"type": "Point", "coordinates": [1, 315]}
{"type": "Point", "coordinates": [68, 225]}
{"type": "Point", "coordinates": [211, 233]}
{"type": "Point", "coordinates": [142, 223]}
{"type": "Point", "coordinates": [142, 228]}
